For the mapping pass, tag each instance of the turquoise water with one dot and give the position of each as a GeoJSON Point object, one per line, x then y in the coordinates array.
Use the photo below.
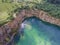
{"type": "Point", "coordinates": [37, 32]}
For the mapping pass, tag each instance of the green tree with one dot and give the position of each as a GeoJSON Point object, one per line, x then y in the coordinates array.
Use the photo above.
{"type": "Point", "coordinates": [54, 1]}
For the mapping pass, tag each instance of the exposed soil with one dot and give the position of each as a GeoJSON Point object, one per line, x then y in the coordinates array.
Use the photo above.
{"type": "Point", "coordinates": [10, 29]}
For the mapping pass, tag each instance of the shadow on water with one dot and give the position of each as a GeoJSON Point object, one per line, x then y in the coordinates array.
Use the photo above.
{"type": "Point", "coordinates": [47, 23]}
{"type": "Point", "coordinates": [39, 31]}
{"type": "Point", "coordinates": [17, 37]}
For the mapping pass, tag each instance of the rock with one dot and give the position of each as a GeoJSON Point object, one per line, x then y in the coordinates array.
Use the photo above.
{"type": "Point", "coordinates": [11, 27]}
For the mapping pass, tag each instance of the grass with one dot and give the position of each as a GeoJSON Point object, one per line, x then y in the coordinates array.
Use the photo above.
{"type": "Point", "coordinates": [7, 9]}
{"type": "Point", "coordinates": [3, 16]}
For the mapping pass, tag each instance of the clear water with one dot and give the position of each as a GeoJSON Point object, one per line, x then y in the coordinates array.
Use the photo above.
{"type": "Point", "coordinates": [37, 32]}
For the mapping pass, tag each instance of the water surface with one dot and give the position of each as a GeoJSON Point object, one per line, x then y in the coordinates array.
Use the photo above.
{"type": "Point", "coordinates": [37, 32]}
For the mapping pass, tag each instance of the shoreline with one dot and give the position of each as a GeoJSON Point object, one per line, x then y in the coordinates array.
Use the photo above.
{"type": "Point", "coordinates": [10, 28]}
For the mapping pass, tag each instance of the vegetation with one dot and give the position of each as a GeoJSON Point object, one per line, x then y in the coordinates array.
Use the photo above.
{"type": "Point", "coordinates": [8, 7]}
{"type": "Point", "coordinates": [5, 9]}
{"type": "Point", "coordinates": [52, 9]}
{"type": "Point", "coordinates": [54, 1]}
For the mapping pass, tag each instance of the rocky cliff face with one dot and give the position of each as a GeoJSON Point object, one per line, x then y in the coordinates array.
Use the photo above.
{"type": "Point", "coordinates": [8, 30]}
